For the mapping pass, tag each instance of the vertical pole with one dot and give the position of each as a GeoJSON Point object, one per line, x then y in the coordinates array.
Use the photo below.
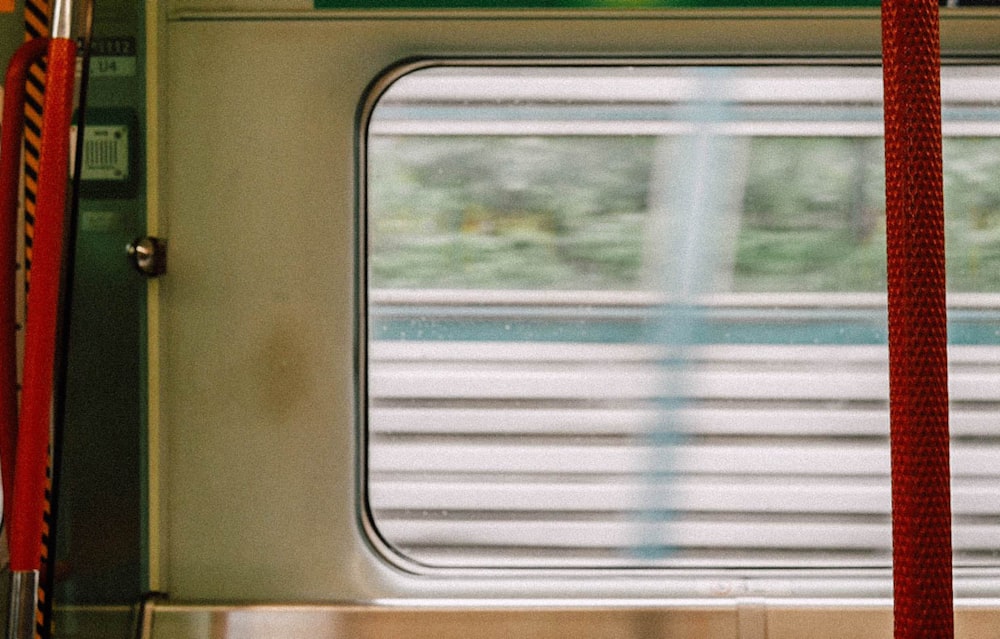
{"type": "Point", "coordinates": [28, 523]}
{"type": "Point", "coordinates": [10, 173]}
{"type": "Point", "coordinates": [46, 176]}
{"type": "Point", "coordinates": [918, 358]}
{"type": "Point", "coordinates": [36, 27]}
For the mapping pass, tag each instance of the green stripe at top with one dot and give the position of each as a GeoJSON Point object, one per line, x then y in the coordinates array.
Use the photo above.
{"type": "Point", "coordinates": [583, 4]}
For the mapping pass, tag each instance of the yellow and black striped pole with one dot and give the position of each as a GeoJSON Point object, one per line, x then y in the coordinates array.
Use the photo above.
{"type": "Point", "coordinates": [37, 20]}
{"type": "Point", "coordinates": [45, 170]}
{"type": "Point", "coordinates": [36, 25]}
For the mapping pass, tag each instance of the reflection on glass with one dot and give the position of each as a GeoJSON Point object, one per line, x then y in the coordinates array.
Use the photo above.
{"type": "Point", "coordinates": [634, 316]}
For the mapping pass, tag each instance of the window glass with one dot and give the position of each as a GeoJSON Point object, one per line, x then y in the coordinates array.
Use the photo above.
{"type": "Point", "coordinates": [631, 316]}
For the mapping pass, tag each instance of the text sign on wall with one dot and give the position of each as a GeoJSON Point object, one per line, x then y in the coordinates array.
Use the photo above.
{"type": "Point", "coordinates": [113, 57]}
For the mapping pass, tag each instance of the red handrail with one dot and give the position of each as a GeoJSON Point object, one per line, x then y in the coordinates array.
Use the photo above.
{"type": "Point", "coordinates": [10, 167]}
{"type": "Point", "coordinates": [25, 433]}
{"type": "Point", "coordinates": [43, 309]}
{"type": "Point", "coordinates": [918, 341]}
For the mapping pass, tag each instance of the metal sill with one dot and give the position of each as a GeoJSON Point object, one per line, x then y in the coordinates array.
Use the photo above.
{"type": "Point", "coordinates": [735, 619]}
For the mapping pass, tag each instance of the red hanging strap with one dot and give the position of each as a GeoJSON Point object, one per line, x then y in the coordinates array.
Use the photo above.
{"type": "Point", "coordinates": [918, 357]}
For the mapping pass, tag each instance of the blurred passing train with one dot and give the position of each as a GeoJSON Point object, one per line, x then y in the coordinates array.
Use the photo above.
{"type": "Point", "coordinates": [548, 320]}
{"type": "Point", "coordinates": [630, 316]}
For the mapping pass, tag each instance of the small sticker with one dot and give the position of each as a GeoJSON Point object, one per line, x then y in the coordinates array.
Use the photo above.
{"type": "Point", "coordinates": [112, 57]}
{"type": "Point", "coordinates": [112, 67]}
{"type": "Point", "coordinates": [111, 47]}
{"type": "Point", "coordinates": [99, 221]}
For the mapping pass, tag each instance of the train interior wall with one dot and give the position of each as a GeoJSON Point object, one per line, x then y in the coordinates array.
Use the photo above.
{"type": "Point", "coordinates": [211, 447]}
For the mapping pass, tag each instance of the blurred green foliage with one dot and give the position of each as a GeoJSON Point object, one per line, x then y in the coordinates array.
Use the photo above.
{"type": "Point", "coordinates": [507, 212]}
{"type": "Point", "coordinates": [580, 213]}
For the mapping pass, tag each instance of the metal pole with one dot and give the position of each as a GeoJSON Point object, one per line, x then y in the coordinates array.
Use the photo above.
{"type": "Point", "coordinates": [27, 524]}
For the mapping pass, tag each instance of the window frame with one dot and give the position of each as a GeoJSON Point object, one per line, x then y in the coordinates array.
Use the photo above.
{"type": "Point", "coordinates": [864, 585]}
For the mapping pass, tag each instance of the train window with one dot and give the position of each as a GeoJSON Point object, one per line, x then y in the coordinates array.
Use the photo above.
{"type": "Point", "coordinates": [634, 315]}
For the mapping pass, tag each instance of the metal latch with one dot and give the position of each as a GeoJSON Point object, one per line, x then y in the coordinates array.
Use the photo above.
{"type": "Point", "coordinates": [149, 255]}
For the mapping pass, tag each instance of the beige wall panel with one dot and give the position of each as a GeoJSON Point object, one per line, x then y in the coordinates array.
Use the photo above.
{"type": "Point", "coordinates": [257, 152]}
